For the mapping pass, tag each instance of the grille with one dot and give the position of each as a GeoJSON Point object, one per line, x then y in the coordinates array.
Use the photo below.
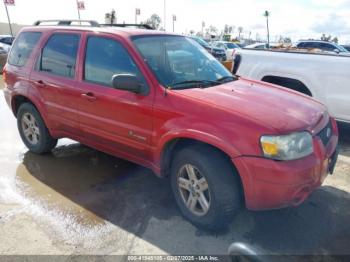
{"type": "Point", "coordinates": [326, 134]}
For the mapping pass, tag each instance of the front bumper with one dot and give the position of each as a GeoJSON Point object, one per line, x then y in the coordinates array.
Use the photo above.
{"type": "Point", "coordinates": [270, 184]}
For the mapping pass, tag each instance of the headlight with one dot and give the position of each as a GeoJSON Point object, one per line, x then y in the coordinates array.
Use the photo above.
{"type": "Point", "coordinates": [288, 147]}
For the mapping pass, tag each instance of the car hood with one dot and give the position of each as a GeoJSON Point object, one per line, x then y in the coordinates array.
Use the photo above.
{"type": "Point", "coordinates": [271, 106]}
{"type": "Point", "coordinates": [215, 49]}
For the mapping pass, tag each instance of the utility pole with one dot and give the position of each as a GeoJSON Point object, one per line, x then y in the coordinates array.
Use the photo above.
{"type": "Point", "coordinates": [267, 14]}
{"type": "Point", "coordinates": [203, 25]}
{"type": "Point", "coordinates": [7, 13]}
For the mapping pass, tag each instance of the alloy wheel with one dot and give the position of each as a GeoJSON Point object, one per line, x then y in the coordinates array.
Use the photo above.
{"type": "Point", "coordinates": [194, 190]}
{"type": "Point", "coordinates": [30, 128]}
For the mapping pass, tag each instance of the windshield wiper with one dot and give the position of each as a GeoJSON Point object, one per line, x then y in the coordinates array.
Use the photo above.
{"type": "Point", "coordinates": [196, 83]}
{"type": "Point", "coordinates": [223, 79]}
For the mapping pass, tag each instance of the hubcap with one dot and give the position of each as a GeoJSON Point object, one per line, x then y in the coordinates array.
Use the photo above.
{"type": "Point", "coordinates": [194, 190]}
{"type": "Point", "coordinates": [30, 128]}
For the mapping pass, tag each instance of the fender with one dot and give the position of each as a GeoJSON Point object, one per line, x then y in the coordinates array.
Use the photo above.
{"type": "Point", "coordinates": [27, 90]}
{"type": "Point", "coordinates": [197, 135]}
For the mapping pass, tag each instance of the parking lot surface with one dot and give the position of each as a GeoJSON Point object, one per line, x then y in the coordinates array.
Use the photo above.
{"type": "Point", "coordinates": [81, 201]}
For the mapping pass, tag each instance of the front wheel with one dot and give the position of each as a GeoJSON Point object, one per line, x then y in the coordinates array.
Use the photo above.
{"type": "Point", "coordinates": [206, 186]}
{"type": "Point", "coordinates": [33, 131]}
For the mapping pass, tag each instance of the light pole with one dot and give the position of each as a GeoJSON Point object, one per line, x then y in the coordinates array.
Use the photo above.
{"type": "Point", "coordinates": [174, 20]}
{"type": "Point", "coordinates": [137, 13]}
{"type": "Point", "coordinates": [7, 13]}
{"type": "Point", "coordinates": [78, 8]}
{"type": "Point", "coordinates": [164, 15]}
{"type": "Point", "coordinates": [267, 14]}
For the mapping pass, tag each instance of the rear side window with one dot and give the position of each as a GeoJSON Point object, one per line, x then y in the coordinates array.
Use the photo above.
{"type": "Point", "coordinates": [23, 47]}
{"type": "Point", "coordinates": [327, 47]}
{"type": "Point", "coordinates": [301, 45]}
{"type": "Point", "coordinates": [59, 55]}
{"type": "Point", "coordinates": [105, 58]}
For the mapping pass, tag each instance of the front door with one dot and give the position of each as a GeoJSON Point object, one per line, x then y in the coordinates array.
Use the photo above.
{"type": "Point", "coordinates": [120, 121]}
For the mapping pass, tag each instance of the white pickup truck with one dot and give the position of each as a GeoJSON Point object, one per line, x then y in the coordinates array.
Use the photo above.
{"type": "Point", "coordinates": [325, 77]}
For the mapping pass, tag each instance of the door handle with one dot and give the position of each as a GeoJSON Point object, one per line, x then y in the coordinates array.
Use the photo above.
{"type": "Point", "coordinates": [40, 83]}
{"type": "Point", "coordinates": [89, 97]}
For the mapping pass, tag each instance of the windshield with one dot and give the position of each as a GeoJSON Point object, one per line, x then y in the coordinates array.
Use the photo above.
{"type": "Point", "coordinates": [180, 62]}
{"type": "Point", "coordinates": [200, 41]}
{"type": "Point", "coordinates": [231, 45]}
{"type": "Point", "coordinates": [342, 49]}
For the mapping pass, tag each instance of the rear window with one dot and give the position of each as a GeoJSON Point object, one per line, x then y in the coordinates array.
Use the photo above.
{"type": "Point", "coordinates": [23, 47]}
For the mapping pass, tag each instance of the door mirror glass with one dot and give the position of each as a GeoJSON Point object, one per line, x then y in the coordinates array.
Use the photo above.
{"type": "Point", "coordinates": [127, 82]}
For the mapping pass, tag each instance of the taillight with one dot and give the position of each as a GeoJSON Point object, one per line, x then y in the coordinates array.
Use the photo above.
{"type": "Point", "coordinates": [334, 126]}
{"type": "Point", "coordinates": [233, 53]}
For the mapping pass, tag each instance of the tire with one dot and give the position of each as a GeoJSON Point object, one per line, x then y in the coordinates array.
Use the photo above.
{"type": "Point", "coordinates": [224, 197]}
{"type": "Point", "coordinates": [33, 130]}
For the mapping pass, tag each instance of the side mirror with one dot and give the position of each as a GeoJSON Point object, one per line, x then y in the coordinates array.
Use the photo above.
{"type": "Point", "coordinates": [336, 51]}
{"type": "Point", "coordinates": [128, 82]}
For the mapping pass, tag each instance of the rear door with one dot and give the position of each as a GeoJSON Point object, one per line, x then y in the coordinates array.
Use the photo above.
{"type": "Point", "coordinates": [55, 78]}
{"type": "Point", "coordinates": [116, 120]}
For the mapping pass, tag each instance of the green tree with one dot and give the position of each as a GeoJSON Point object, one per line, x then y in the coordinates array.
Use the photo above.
{"type": "Point", "coordinates": [154, 21]}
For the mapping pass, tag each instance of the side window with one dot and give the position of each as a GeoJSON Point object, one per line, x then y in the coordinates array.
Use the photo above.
{"type": "Point", "coordinates": [105, 58]}
{"type": "Point", "coordinates": [317, 45]}
{"type": "Point", "coordinates": [59, 55]}
{"type": "Point", "coordinates": [309, 45]}
{"type": "Point", "coordinates": [327, 47]}
{"type": "Point", "coordinates": [23, 47]}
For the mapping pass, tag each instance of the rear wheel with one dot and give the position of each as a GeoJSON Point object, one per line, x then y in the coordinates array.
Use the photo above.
{"type": "Point", "coordinates": [33, 131]}
{"type": "Point", "coordinates": [206, 186]}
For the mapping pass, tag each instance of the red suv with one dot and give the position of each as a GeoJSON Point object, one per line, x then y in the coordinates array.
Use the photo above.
{"type": "Point", "coordinates": [162, 101]}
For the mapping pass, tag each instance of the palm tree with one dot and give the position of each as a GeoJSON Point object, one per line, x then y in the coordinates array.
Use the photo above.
{"type": "Point", "coordinates": [240, 31]}
{"type": "Point", "coordinates": [267, 14]}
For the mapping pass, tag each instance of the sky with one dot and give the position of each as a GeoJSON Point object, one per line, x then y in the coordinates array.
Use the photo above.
{"type": "Point", "coordinates": [297, 19]}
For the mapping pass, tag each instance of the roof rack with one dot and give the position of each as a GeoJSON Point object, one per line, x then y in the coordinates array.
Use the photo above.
{"type": "Point", "coordinates": [141, 26]}
{"type": "Point", "coordinates": [68, 22]}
